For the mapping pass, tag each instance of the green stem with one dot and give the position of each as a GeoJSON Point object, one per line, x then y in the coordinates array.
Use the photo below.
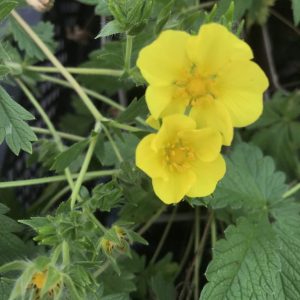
{"type": "Point", "coordinates": [213, 231]}
{"type": "Point", "coordinates": [197, 259]}
{"type": "Point", "coordinates": [164, 235]}
{"type": "Point", "coordinates": [128, 52]}
{"type": "Point", "coordinates": [58, 178]}
{"type": "Point", "coordinates": [64, 135]}
{"type": "Point", "coordinates": [48, 123]}
{"type": "Point", "coordinates": [84, 166]}
{"type": "Point", "coordinates": [89, 92]}
{"type": "Point", "coordinates": [186, 253]}
{"type": "Point", "coordinates": [152, 220]}
{"type": "Point", "coordinates": [81, 71]}
{"type": "Point", "coordinates": [113, 144]}
{"type": "Point", "coordinates": [99, 97]}
{"type": "Point", "coordinates": [124, 126]}
{"type": "Point", "coordinates": [76, 86]}
{"type": "Point", "coordinates": [292, 191]}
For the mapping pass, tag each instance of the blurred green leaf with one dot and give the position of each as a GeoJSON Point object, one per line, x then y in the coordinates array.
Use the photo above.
{"type": "Point", "coordinates": [6, 6]}
{"type": "Point", "coordinates": [64, 159]}
{"type": "Point", "coordinates": [45, 30]}
{"type": "Point", "coordinates": [296, 11]}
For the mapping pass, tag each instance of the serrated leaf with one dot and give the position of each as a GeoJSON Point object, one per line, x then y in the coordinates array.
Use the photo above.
{"type": "Point", "coordinates": [6, 6]}
{"type": "Point", "coordinates": [105, 197]}
{"type": "Point", "coordinates": [246, 265]}
{"type": "Point", "coordinates": [111, 28]}
{"type": "Point", "coordinates": [250, 181]}
{"type": "Point", "coordinates": [64, 159]}
{"type": "Point", "coordinates": [13, 128]}
{"type": "Point", "coordinates": [45, 30]}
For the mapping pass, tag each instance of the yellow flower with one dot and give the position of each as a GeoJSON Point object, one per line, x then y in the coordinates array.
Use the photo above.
{"type": "Point", "coordinates": [181, 160]}
{"type": "Point", "coordinates": [211, 72]}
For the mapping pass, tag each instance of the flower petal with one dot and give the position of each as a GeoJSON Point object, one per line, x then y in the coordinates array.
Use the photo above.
{"type": "Point", "coordinates": [240, 88]}
{"type": "Point", "coordinates": [158, 98]}
{"type": "Point", "coordinates": [148, 160]}
{"type": "Point", "coordinates": [214, 115]}
{"type": "Point", "coordinates": [175, 188]}
{"type": "Point", "coordinates": [171, 126]}
{"type": "Point", "coordinates": [208, 174]}
{"type": "Point", "coordinates": [215, 46]}
{"type": "Point", "coordinates": [161, 61]}
{"type": "Point", "coordinates": [206, 143]}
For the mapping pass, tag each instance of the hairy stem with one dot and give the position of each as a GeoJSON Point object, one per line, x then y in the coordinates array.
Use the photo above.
{"type": "Point", "coordinates": [84, 166]}
{"type": "Point", "coordinates": [128, 52]}
{"type": "Point", "coordinates": [64, 135]}
{"type": "Point", "coordinates": [80, 71]}
{"type": "Point", "coordinates": [49, 124]}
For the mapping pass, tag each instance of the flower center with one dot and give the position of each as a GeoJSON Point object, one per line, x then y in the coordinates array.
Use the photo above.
{"type": "Point", "coordinates": [39, 279]}
{"type": "Point", "coordinates": [178, 156]}
{"type": "Point", "coordinates": [194, 87]}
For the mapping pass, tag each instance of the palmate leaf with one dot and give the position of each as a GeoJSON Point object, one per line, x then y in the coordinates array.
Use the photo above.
{"type": "Point", "coordinates": [250, 181]}
{"type": "Point", "coordinates": [13, 128]}
{"type": "Point", "coordinates": [45, 30]}
{"type": "Point", "coordinates": [245, 265]}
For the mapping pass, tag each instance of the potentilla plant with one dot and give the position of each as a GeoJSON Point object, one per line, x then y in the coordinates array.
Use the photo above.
{"type": "Point", "coordinates": [177, 157]}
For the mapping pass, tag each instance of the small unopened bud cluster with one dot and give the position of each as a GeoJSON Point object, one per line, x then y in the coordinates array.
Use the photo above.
{"type": "Point", "coordinates": [108, 246]}
{"type": "Point", "coordinates": [41, 5]}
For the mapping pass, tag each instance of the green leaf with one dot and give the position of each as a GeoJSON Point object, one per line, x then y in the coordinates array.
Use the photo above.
{"type": "Point", "coordinates": [278, 133]}
{"type": "Point", "coordinates": [251, 181]}
{"type": "Point", "coordinates": [6, 286]}
{"type": "Point", "coordinates": [6, 6]}
{"type": "Point", "coordinates": [17, 133]}
{"type": "Point", "coordinates": [287, 218]}
{"type": "Point", "coordinates": [64, 159]}
{"type": "Point", "coordinates": [296, 11]}
{"type": "Point", "coordinates": [11, 247]}
{"type": "Point", "coordinates": [162, 288]}
{"type": "Point", "coordinates": [45, 30]}
{"type": "Point", "coordinates": [126, 144]}
{"type": "Point", "coordinates": [136, 108]}
{"type": "Point", "coordinates": [111, 28]}
{"type": "Point", "coordinates": [246, 265]}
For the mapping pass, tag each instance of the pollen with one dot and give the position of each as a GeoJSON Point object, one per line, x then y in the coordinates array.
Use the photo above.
{"type": "Point", "coordinates": [177, 156]}
{"type": "Point", "coordinates": [38, 279]}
